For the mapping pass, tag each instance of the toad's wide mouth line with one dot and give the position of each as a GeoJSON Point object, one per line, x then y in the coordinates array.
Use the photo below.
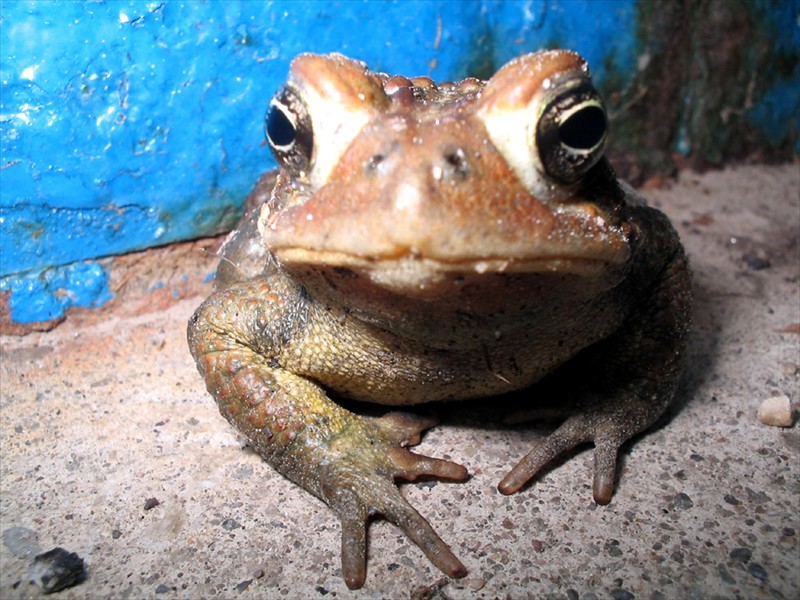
{"type": "Point", "coordinates": [415, 263]}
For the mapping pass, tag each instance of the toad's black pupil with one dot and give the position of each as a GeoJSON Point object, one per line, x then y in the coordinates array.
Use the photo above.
{"type": "Point", "coordinates": [584, 129]}
{"type": "Point", "coordinates": [280, 129]}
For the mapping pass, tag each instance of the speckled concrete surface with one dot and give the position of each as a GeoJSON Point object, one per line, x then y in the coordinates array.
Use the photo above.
{"type": "Point", "coordinates": [107, 411]}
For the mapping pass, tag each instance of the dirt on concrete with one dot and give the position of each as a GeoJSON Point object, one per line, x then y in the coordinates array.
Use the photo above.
{"type": "Point", "coordinates": [111, 448]}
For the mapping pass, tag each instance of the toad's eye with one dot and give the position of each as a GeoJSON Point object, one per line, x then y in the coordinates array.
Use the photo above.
{"type": "Point", "coordinates": [571, 133]}
{"type": "Point", "coordinates": [289, 131]}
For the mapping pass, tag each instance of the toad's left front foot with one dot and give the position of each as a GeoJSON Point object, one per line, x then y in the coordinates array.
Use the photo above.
{"type": "Point", "coordinates": [607, 429]}
{"type": "Point", "coordinates": [628, 381]}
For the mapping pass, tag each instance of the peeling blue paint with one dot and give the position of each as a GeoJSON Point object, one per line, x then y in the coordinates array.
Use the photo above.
{"type": "Point", "coordinates": [45, 295]}
{"type": "Point", "coordinates": [130, 124]}
{"type": "Point", "coordinates": [602, 31]}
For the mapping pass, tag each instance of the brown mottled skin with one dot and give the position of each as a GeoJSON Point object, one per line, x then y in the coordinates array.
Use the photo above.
{"type": "Point", "coordinates": [425, 243]}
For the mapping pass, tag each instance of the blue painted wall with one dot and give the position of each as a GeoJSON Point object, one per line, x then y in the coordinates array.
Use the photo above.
{"type": "Point", "coordinates": [125, 125]}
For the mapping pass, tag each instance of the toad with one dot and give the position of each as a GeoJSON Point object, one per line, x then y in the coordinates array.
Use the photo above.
{"type": "Point", "coordinates": [424, 243]}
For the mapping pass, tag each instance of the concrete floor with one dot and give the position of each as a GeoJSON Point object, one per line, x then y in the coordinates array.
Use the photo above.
{"type": "Point", "coordinates": [107, 411]}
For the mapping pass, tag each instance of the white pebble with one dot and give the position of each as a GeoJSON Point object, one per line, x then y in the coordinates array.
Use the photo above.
{"type": "Point", "coordinates": [776, 411]}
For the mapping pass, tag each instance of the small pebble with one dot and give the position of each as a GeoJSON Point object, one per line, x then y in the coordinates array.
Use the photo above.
{"type": "Point", "coordinates": [776, 411]}
{"type": "Point", "coordinates": [757, 571]}
{"type": "Point", "coordinates": [613, 549]}
{"type": "Point", "coordinates": [789, 369]}
{"type": "Point", "coordinates": [756, 262]}
{"type": "Point", "coordinates": [475, 583]}
{"type": "Point", "coordinates": [741, 554]}
{"type": "Point", "coordinates": [56, 570]}
{"type": "Point", "coordinates": [151, 503]}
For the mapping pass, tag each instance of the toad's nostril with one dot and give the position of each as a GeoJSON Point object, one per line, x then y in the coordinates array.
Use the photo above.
{"type": "Point", "coordinates": [374, 162]}
{"type": "Point", "coordinates": [454, 166]}
{"type": "Point", "coordinates": [457, 159]}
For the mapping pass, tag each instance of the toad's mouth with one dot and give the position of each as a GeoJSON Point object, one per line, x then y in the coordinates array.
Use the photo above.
{"type": "Point", "coordinates": [434, 244]}
{"type": "Point", "coordinates": [411, 271]}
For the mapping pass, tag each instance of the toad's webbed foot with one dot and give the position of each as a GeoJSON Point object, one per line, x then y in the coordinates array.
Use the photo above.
{"type": "Point", "coordinates": [359, 483]}
{"type": "Point", "coordinates": [603, 428]}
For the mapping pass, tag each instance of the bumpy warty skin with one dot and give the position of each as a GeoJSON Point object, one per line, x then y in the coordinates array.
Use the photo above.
{"type": "Point", "coordinates": [424, 243]}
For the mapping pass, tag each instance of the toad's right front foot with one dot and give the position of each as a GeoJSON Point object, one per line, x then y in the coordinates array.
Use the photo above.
{"type": "Point", "coordinates": [359, 483]}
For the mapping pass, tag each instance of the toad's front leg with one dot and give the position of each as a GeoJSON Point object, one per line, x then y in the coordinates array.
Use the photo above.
{"type": "Point", "coordinates": [350, 462]}
{"type": "Point", "coordinates": [623, 384]}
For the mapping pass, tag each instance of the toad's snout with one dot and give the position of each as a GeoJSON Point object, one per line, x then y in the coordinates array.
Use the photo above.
{"type": "Point", "coordinates": [413, 153]}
